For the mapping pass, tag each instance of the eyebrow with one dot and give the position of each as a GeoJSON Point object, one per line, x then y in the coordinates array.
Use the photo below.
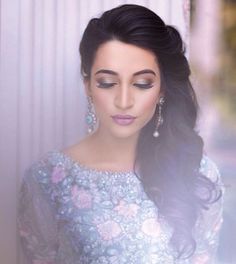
{"type": "Point", "coordinates": [135, 74]}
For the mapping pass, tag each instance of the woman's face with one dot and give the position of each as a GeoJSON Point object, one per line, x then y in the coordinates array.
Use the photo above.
{"type": "Point", "coordinates": [125, 88]}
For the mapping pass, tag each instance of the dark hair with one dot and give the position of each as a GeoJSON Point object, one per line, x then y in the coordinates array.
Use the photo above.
{"type": "Point", "coordinates": [168, 165]}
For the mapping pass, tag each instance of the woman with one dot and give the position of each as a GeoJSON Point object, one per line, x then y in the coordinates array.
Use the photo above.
{"type": "Point", "coordinates": [138, 188]}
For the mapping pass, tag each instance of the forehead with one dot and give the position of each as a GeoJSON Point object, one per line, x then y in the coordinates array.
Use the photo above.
{"type": "Point", "coordinates": [124, 58]}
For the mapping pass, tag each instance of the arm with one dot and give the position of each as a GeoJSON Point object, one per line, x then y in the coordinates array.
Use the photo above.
{"type": "Point", "coordinates": [37, 227]}
{"type": "Point", "coordinates": [209, 223]}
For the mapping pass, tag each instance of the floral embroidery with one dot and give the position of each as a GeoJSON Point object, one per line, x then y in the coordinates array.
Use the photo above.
{"type": "Point", "coordinates": [58, 174]}
{"type": "Point", "coordinates": [81, 197]}
{"type": "Point", "coordinates": [107, 218]}
{"type": "Point", "coordinates": [201, 259]}
{"type": "Point", "coordinates": [128, 210]}
{"type": "Point", "coordinates": [109, 230]}
{"type": "Point", "coordinates": [151, 227]}
{"type": "Point", "coordinates": [23, 233]}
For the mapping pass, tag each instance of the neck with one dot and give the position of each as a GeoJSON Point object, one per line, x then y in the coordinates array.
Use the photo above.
{"type": "Point", "coordinates": [115, 150]}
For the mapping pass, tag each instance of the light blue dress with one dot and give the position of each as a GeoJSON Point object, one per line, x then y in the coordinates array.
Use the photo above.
{"type": "Point", "coordinates": [72, 214]}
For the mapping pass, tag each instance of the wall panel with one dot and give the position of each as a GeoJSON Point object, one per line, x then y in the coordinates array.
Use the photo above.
{"type": "Point", "coordinates": [42, 102]}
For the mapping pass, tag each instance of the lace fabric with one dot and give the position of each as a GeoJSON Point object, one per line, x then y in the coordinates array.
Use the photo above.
{"type": "Point", "coordinates": [69, 213]}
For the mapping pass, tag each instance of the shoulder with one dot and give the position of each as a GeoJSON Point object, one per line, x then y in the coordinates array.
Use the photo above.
{"type": "Point", "coordinates": [210, 219]}
{"type": "Point", "coordinates": [210, 169]}
{"type": "Point", "coordinates": [47, 164]}
{"type": "Point", "coordinates": [212, 216]}
{"type": "Point", "coordinates": [48, 171]}
{"type": "Point", "coordinates": [215, 208]}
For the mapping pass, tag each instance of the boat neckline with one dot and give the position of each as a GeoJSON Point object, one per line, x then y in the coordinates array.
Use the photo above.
{"type": "Point", "coordinates": [88, 168]}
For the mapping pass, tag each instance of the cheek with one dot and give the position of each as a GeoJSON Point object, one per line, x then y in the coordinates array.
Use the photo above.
{"type": "Point", "coordinates": [101, 101]}
{"type": "Point", "coordinates": [149, 104]}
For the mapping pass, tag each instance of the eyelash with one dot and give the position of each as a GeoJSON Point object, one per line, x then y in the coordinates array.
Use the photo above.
{"type": "Point", "coordinates": [105, 85]}
{"type": "Point", "coordinates": [109, 85]}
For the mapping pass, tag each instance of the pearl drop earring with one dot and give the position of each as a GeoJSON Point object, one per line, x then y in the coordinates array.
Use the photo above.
{"type": "Point", "coordinates": [159, 117]}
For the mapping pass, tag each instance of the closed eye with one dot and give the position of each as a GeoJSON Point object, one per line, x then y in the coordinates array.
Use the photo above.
{"type": "Point", "coordinates": [144, 85]}
{"type": "Point", "coordinates": [105, 85]}
{"type": "Point", "coordinates": [139, 85]}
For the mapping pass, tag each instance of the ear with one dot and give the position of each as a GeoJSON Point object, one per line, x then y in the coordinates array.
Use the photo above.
{"type": "Point", "coordinates": [87, 87]}
{"type": "Point", "coordinates": [161, 94]}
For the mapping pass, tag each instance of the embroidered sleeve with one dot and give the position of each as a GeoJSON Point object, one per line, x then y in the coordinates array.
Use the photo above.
{"type": "Point", "coordinates": [209, 223]}
{"type": "Point", "coordinates": [36, 223]}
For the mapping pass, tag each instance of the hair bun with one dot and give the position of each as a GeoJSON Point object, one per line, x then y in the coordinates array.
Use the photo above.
{"type": "Point", "coordinates": [176, 40]}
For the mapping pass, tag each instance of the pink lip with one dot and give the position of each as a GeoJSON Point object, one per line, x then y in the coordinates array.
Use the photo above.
{"type": "Point", "coordinates": [123, 116]}
{"type": "Point", "coordinates": [123, 120]}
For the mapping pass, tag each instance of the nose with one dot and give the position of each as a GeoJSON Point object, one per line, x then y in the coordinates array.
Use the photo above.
{"type": "Point", "coordinates": [124, 98]}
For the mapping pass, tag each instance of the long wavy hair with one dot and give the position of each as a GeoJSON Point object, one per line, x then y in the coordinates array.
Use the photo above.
{"type": "Point", "coordinates": [168, 165]}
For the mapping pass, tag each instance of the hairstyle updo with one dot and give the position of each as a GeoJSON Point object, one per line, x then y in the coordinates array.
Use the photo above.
{"type": "Point", "coordinates": [168, 165]}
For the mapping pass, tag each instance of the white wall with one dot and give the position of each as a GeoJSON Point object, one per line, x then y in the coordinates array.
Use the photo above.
{"type": "Point", "coordinates": [42, 101]}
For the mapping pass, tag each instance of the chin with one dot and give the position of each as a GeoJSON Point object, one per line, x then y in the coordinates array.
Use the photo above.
{"type": "Point", "coordinates": [124, 134]}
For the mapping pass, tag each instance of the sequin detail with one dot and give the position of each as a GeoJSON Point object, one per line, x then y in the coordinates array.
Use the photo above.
{"type": "Point", "coordinates": [106, 217]}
